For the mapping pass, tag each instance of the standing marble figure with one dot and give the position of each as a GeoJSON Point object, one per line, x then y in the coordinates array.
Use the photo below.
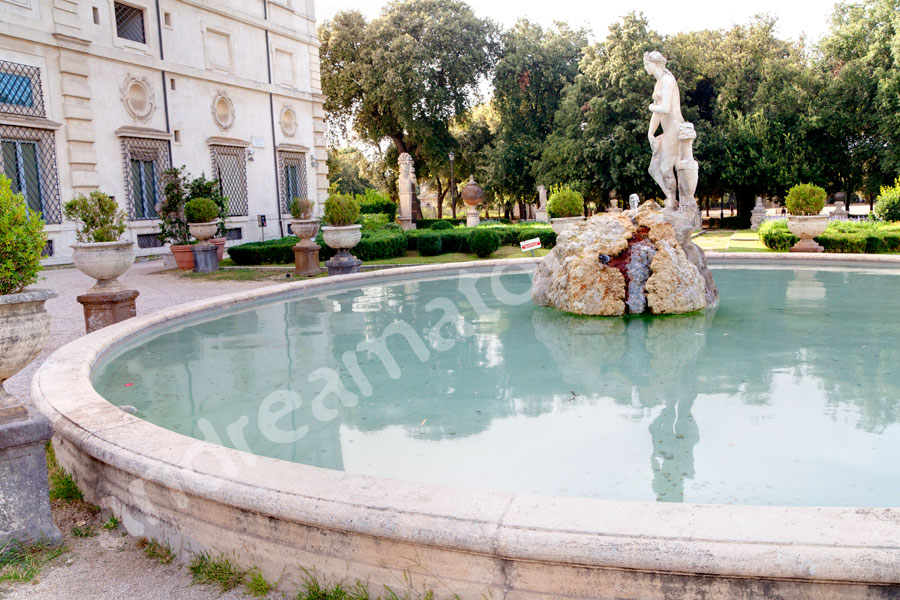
{"type": "Point", "coordinates": [666, 109]}
{"type": "Point", "coordinates": [673, 148]}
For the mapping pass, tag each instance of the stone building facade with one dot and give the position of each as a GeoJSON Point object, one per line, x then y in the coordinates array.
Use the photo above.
{"type": "Point", "coordinates": [103, 94]}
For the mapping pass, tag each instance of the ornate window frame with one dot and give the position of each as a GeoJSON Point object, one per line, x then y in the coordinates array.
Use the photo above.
{"type": "Point", "coordinates": [229, 166]}
{"type": "Point", "coordinates": [145, 145]}
{"type": "Point", "coordinates": [47, 165]}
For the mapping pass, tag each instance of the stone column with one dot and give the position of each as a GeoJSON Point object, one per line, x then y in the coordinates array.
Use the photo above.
{"type": "Point", "coordinates": [406, 190]}
{"type": "Point", "coordinates": [758, 215]}
{"type": "Point", "coordinates": [542, 207]}
{"type": "Point", "coordinates": [472, 196]}
{"type": "Point", "coordinates": [688, 172]}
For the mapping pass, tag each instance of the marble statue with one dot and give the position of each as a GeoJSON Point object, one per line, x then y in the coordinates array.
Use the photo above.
{"type": "Point", "coordinates": [634, 201]}
{"type": "Point", "coordinates": [673, 148]}
{"type": "Point", "coordinates": [666, 113]}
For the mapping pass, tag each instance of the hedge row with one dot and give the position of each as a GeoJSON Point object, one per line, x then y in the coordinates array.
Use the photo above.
{"type": "Point", "coordinates": [382, 244]}
{"type": "Point", "coordinates": [777, 237]}
{"type": "Point", "coordinates": [374, 245]}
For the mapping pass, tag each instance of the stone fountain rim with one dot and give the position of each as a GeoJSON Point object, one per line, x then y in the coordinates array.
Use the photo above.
{"type": "Point", "coordinates": [818, 544]}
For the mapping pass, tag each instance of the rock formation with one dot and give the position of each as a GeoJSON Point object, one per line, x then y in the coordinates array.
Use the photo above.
{"type": "Point", "coordinates": [626, 263]}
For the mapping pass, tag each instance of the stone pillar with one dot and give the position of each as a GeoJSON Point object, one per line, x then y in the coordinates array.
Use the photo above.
{"type": "Point", "coordinates": [542, 207]}
{"type": "Point", "coordinates": [108, 308]}
{"type": "Point", "coordinates": [688, 173]}
{"type": "Point", "coordinates": [406, 190]}
{"type": "Point", "coordinates": [306, 259]}
{"type": "Point", "coordinates": [758, 215]}
{"type": "Point", "coordinates": [24, 501]}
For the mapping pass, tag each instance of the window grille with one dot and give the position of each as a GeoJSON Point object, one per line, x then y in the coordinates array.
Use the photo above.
{"type": "Point", "coordinates": [149, 240]}
{"type": "Point", "coordinates": [230, 168]}
{"type": "Point", "coordinates": [130, 23]}
{"type": "Point", "coordinates": [235, 233]}
{"type": "Point", "coordinates": [28, 159]}
{"type": "Point", "coordinates": [145, 161]}
{"type": "Point", "coordinates": [20, 90]}
{"type": "Point", "coordinates": [292, 176]}
{"type": "Point", "coordinates": [47, 252]}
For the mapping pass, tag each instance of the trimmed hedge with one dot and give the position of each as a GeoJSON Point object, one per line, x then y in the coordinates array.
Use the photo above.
{"type": "Point", "coordinates": [484, 242]}
{"type": "Point", "coordinates": [457, 240]}
{"type": "Point", "coordinates": [374, 245]}
{"type": "Point", "coordinates": [429, 243]}
{"type": "Point", "coordinates": [373, 203]}
{"type": "Point", "coordinates": [840, 238]}
{"type": "Point", "coordinates": [427, 223]}
{"type": "Point", "coordinates": [736, 222]}
{"type": "Point", "coordinates": [441, 225]}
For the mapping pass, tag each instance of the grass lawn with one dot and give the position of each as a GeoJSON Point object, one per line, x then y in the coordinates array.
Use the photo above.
{"type": "Point", "coordinates": [744, 240]}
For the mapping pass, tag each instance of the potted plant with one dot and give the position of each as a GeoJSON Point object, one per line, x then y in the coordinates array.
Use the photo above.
{"type": "Point", "coordinates": [303, 225]}
{"type": "Point", "coordinates": [342, 232]}
{"type": "Point", "coordinates": [804, 203]}
{"type": "Point", "coordinates": [99, 253]}
{"type": "Point", "coordinates": [173, 226]}
{"type": "Point", "coordinates": [201, 216]}
{"type": "Point", "coordinates": [566, 207]}
{"type": "Point", "coordinates": [24, 323]}
{"type": "Point", "coordinates": [201, 187]}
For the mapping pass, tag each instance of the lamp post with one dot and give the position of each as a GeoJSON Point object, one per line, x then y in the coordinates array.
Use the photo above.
{"type": "Point", "coordinates": [452, 187]}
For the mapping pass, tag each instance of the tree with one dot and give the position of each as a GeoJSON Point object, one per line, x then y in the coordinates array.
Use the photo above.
{"type": "Point", "coordinates": [534, 66]}
{"type": "Point", "coordinates": [406, 75]}
{"type": "Point", "coordinates": [347, 168]}
{"type": "Point", "coordinates": [860, 108]}
{"type": "Point", "coordinates": [599, 138]}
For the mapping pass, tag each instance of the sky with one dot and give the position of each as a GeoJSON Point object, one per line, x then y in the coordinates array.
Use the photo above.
{"type": "Point", "coordinates": [666, 16]}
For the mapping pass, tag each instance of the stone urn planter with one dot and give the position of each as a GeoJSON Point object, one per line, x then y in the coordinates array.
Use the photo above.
{"type": "Point", "coordinates": [202, 232]}
{"type": "Point", "coordinates": [307, 229]}
{"type": "Point", "coordinates": [306, 251]}
{"type": "Point", "coordinates": [105, 262]}
{"type": "Point", "coordinates": [563, 223]}
{"type": "Point", "coordinates": [24, 329]}
{"type": "Point", "coordinates": [807, 228]}
{"type": "Point", "coordinates": [342, 239]}
{"type": "Point", "coordinates": [206, 254]}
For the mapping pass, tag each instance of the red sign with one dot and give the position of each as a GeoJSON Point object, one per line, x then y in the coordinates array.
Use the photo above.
{"type": "Point", "coordinates": [532, 244]}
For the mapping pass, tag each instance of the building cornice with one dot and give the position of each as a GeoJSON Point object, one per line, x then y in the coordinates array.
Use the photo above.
{"type": "Point", "coordinates": [33, 122]}
{"type": "Point", "coordinates": [224, 141]}
{"type": "Point", "coordinates": [143, 132]}
{"type": "Point", "coordinates": [291, 148]}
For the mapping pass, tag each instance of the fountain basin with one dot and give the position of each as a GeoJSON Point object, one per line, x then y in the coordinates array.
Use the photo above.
{"type": "Point", "coordinates": [282, 515]}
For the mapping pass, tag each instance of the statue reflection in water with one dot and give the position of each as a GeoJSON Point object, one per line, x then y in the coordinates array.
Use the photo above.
{"type": "Point", "coordinates": [646, 363]}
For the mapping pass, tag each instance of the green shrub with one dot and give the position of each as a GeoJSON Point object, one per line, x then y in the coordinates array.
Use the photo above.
{"type": "Point", "coordinates": [887, 207]}
{"type": "Point", "coordinates": [393, 226]}
{"type": "Point", "coordinates": [173, 226]}
{"type": "Point", "coordinates": [775, 235]}
{"type": "Point", "coordinates": [805, 199]}
{"type": "Point", "coordinates": [429, 243]}
{"type": "Point", "coordinates": [22, 239]}
{"type": "Point", "coordinates": [455, 240]}
{"type": "Point", "coordinates": [427, 223]}
{"type": "Point", "coordinates": [374, 202]}
{"type": "Point", "coordinates": [484, 242]}
{"type": "Point", "coordinates": [441, 225]}
{"type": "Point", "coordinates": [373, 222]}
{"type": "Point", "coordinates": [565, 202]}
{"type": "Point", "coordinates": [374, 245]}
{"type": "Point", "coordinates": [341, 210]}
{"type": "Point", "coordinates": [98, 217]}
{"type": "Point", "coordinates": [200, 210]}
{"type": "Point", "coordinates": [301, 208]}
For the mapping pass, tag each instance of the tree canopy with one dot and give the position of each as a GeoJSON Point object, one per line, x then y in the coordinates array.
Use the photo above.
{"type": "Point", "coordinates": [769, 113]}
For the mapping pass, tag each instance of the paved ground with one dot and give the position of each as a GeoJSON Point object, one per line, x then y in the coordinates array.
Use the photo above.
{"type": "Point", "coordinates": [109, 566]}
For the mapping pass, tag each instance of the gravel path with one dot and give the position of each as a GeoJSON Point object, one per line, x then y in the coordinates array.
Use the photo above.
{"type": "Point", "coordinates": [109, 566]}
